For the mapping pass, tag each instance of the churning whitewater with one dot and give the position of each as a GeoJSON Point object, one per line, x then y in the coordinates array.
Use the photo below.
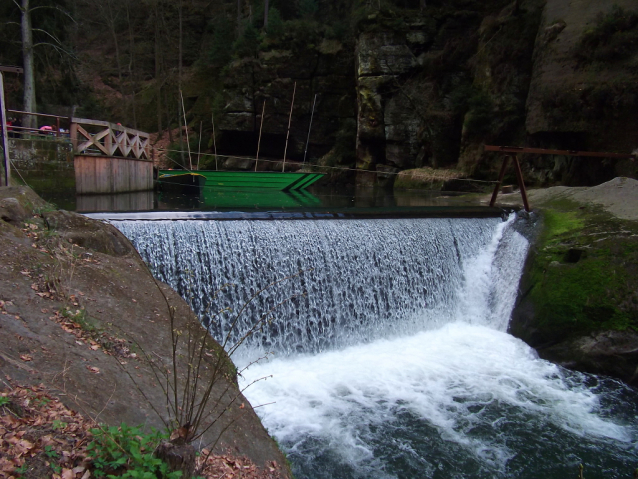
{"type": "Point", "coordinates": [390, 356]}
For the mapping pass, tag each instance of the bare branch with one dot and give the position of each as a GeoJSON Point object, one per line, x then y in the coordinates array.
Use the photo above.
{"type": "Point", "coordinates": [53, 8]}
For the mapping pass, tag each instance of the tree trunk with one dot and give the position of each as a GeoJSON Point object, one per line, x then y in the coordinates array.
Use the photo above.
{"type": "Point", "coordinates": [110, 19]}
{"type": "Point", "coordinates": [266, 15]}
{"type": "Point", "coordinates": [131, 66]}
{"type": "Point", "coordinates": [239, 29]}
{"type": "Point", "coordinates": [423, 5]}
{"type": "Point", "coordinates": [158, 69]}
{"type": "Point", "coordinates": [27, 58]}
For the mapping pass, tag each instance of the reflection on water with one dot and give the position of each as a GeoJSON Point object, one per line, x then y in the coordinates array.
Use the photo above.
{"type": "Point", "coordinates": [315, 198]}
{"type": "Point", "coordinates": [137, 201]}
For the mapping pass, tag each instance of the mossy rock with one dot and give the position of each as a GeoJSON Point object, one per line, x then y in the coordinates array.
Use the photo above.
{"type": "Point", "coordinates": [581, 282]}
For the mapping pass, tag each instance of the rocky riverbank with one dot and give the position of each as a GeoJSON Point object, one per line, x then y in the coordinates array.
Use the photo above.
{"type": "Point", "coordinates": [81, 314]}
{"type": "Point", "coordinates": [578, 301]}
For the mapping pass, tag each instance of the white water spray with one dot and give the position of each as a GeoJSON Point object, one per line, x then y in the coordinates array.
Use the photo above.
{"type": "Point", "coordinates": [395, 361]}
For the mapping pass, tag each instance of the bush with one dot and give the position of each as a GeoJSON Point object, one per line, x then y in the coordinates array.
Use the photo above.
{"type": "Point", "coordinates": [248, 44]}
{"type": "Point", "coordinates": [220, 50]}
{"type": "Point", "coordinates": [275, 23]}
{"type": "Point", "coordinates": [128, 453]}
{"type": "Point", "coordinates": [308, 8]}
{"type": "Point", "coordinates": [479, 118]}
{"type": "Point", "coordinates": [613, 38]}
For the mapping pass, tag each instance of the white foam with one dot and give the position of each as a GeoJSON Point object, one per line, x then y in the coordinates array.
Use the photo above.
{"type": "Point", "coordinates": [444, 377]}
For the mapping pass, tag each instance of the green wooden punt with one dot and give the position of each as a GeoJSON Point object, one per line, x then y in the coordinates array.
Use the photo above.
{"type": "Point", "coordinates": [281, 181]}
{"type": "Point", "coordinates": [227, 198]}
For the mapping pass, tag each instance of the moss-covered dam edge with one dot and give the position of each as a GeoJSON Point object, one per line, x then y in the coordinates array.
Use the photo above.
{"type": "Point", "coordinates": [578, 296]}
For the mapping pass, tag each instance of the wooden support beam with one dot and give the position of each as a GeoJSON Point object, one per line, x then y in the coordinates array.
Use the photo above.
{"type": "Point", "coordinates": [542, 151]}
{"type": "Point", "coordinates": [500, 180]}
{"type": "Point", "coordinates": [9, 69]}
{"type": "Point", "coordinates": [521, 183]}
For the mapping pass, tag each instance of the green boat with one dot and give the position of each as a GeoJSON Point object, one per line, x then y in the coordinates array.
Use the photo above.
{"type": "Point", "coordinates": [281, 181]}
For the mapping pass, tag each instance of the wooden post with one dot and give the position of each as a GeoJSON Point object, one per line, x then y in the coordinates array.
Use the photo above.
{"type": "Point", "coordinates": [500, 180]}
{"type": "Point", "coordinates": [214, 141]}
{"type": "Point", "coordinates": [199, 147]}
{"type": "Point", "coordinates": [309, 128]}
{"type": "Point", "coordinates": [73, 134]}
{"type": "Point", "coordinates": [6, 177]}
{"type": "Point", "coordinates": [521, 183]}
{"type": "Point", "coordinates": [188, 145]}
{"type": "Point", "coordinates": [57, 126]}
{"type": "Point", "coordinates": [261, 125]}
{"type": "Point", "coordinates": [283, 167]}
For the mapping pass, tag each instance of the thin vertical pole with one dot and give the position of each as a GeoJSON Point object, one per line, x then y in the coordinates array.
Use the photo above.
{"type": "Point", "coordinates": [199, 147]}
{"type": "Point", "coordinates": [283, 167]}
{"type": "Point", "coordinates": [6, 177]}
{"type": "Point", "coordinates": [521, 183]}
{"type": "Point", "coordinates": [188, 145]}
{"type": "Point", "coordinates": [261, 125]}
{"type": "Point", "coordinates": [309, 128]}
{"type": "Point", "coordinates": [500, 180]}
{"type": "Point", "coordinates": [212, 114]}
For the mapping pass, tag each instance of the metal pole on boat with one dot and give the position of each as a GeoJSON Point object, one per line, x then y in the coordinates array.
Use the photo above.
{"type": "Point", "coordinates": [309, 128]}
{"type": "Point", "coordinates": [212, 114]}
{"type": "Point", "coordinates": [283, 167]}
{"type": "Point", "coordinates": [261, 125]}
{"type": "Point", "coordinates": [188, 145]}
{"type": "Point", "coordinates": [199, 147]}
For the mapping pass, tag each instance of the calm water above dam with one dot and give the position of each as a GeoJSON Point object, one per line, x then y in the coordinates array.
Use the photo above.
{"type": "Point", "coordinates": [390, 351]}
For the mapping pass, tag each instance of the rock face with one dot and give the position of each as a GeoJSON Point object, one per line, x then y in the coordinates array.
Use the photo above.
{"type": "Point", "coordinates": [81, 313]}
{"type": "Point", "coordinates": [324, 70]}
{"type": "Point", "coordinates": [578, 301]}
{"type": "Point", "coordinates": [582, 93]}
{"type": "Point", "coordinates": [412, 88]}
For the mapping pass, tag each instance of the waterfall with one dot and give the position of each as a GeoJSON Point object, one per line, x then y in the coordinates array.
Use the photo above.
{"type": "Point", "coordinates": [320, 285]}
{"type": "Point", "coordinates": [391, 353]}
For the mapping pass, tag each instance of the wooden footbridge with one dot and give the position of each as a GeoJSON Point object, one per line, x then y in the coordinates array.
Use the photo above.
{"type": "Point", "coordinates": [108, 157]}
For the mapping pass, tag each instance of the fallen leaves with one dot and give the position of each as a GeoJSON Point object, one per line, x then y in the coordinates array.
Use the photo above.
{"type": "Point", "coordinates": [93, 369]}
{"type": "Point", "coordinates": [94, 339]}
{"type": "Point", "coordinates": [30, 438]}
{"type": "Point", "coordinates": [36, 429]}
{"type": "Point", "coordinates": [26, 357]}
{"type": "Point", "coordinates": [229, 467]}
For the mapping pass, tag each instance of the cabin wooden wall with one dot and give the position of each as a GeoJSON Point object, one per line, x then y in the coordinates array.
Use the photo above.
{"type": "Point", "coordinates": [100, 174]}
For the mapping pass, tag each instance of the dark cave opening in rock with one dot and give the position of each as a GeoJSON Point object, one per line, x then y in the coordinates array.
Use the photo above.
{"type": "Point", "coordinates": [271, 147]}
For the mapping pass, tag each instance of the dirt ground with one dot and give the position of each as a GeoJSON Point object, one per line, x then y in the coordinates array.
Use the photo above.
{"type": "Point", "coordinates": [618, 197]}
{"type": "Point", "coordinates": [80, 313]}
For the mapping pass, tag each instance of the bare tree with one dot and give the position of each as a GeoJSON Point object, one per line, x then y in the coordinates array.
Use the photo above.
{"type": "Point", "coordinates": [27, 58]}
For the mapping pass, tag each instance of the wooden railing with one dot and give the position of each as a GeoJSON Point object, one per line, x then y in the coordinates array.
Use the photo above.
{"type": "Point", "coordinates": [94, 137]}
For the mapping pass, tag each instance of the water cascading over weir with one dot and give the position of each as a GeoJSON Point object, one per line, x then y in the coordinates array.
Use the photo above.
{"type": "Point", "coordinates": [390, 352]}
{"type": "Point", "coordinates": [333, 283]}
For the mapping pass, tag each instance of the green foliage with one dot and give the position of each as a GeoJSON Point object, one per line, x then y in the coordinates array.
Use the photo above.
{"type": "Point", "coordinates": [128, 453]}
{"type": "Point", "coordinates": [248, 44]}
{"type": "Point", "coordinates": [308, 8]}
{"type": "Point", "coordinates": [614, 37]}
{"type": "Point", "coordinates": [275, 23]}
{"type": "Point", "coordinates": [220, 52]}
{"type": "Point", "coordinates": [4, 401]}
{"type": "Point", "coordinates": [57, 424]}
{"type": "Point", "coordinates": [479, 119]}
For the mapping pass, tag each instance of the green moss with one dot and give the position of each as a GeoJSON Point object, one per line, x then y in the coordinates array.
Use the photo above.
{"type": "Point", "coordinates": [583, 275]}
{"type": "Point", "coordinates": [560, 222]}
